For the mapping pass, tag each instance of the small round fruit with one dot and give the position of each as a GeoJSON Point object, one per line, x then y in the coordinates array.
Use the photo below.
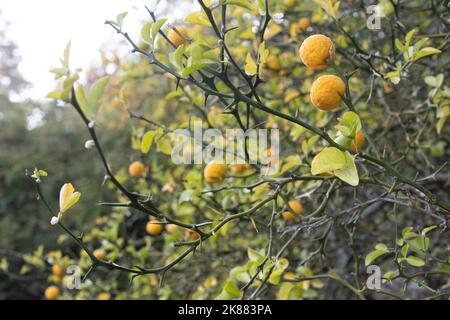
{"type": "Point", "coordinates": [295, 206]}
{"type": "Point", "coordinates": [172, 228]}
{"type": "Point", "coordinates": [271, 157]}
{"type": "Point", "coordinates": [57, 270]}
{"type": "Point", "coordinates": [51, 293]}
{"type": "Point", "coordinates": [239, 168]}
{"type": "Point", "coordinates": [289, 3]}
{"type": "Point", "coordinates": [316, 50]}
{"type": "Point", "coordinates": [215, 172]}
{"type": "Point", "coordinates": [326, 92]}
{"type": "Point", "coordinates": [192, 235]}
{"type": "Point", "coordinates": [273, 62]}
{"type": "Point", "coordinates": [100, 254]}
{"type": "Point", "coordinates": [136, 169]}
{"type": "Point", "coordinates": [154, 229]}
{"type": "Point", "coordinates": [358, 143]}
{"type": "Point", "coordinates": [177, 37]}
{"type": "Point", "coordinates": [303, 23]}
{"type": "Point", "coordinates": [104, 296]}
{"type": "Point", "coordinates": [388, 89]}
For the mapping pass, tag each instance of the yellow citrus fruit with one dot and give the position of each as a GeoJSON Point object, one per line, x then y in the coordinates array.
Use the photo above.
{"type": "Point", "coordinates": [297, 207]}
{"type": "Point", "coordinates": [104, 296]}
{"type": "Point", "coordinates": [303, 23]}
{"type": "Point", "coordinates": [271, 159]}
{"type": "Point", "coordinates": [56, 279]}
{"type": "Point", "coordinates": [388, 89]}
{"type": "Point", "coordinates": [327, 91]}
{"type": "Point", "coordinates": [57, 270]}
{"type": "Point", "coordinates": [154, 229]}
{"type": "Point", "coordinates": [215, 172]}
{"type": "Point", "coordinates": [358, 142]}
{"type": "Point", "coordinates": [273, 62]}
{"type": "Point", "coordinates": [171, 228]}
{"type": "Point", "coordinates": [289, 3]}
{"type": "Point", "coordinates": [239, 168]}
{"type": "Point", "coordinates": [316, 50]}
{"type": "Point", "coordinates": [100, 254]}
{"type": "Point", "coordinates": [177, 37]}
{"type": "Point", "coordinates": [136, 169]}
{"type": "Point", "coordinates": [192, 235]}
{"type": "Point", "coordinates": [51, 293]}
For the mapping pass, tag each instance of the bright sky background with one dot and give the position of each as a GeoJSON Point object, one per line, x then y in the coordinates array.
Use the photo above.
{"type": "Point", "coordinates": [42, 28]}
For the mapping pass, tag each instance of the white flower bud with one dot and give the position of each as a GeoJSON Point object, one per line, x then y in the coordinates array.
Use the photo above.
{"type": "Point", "coordinates": [54, 221]}
{"type": "Point", "coordinates": [90, 144]}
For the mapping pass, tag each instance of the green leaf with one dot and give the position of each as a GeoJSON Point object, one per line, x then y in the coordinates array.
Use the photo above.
{"type": "Point", "coordinates": [145, 31]}
{"type": "Point", "coordinates": [186, 196]}
{"type": "Point", "coordinates": [232, 289]}
{"type": "Point", "coordinates": [348, 173]}
{"type": "Point", "coordinates": [197, 65]}
{"type": "Point", "coordinates": [374, 255]}
{"type": "Point", "coordinates": [55, 95]}
{"type": "Point", "coordinates": [425, 52]}
{"type": "Point", "coordinates": [254, 255]}
{"type": "Point", "coordinates": [415, 261]}
{"type": "Point", "coordinates": [250, 65]}
{"type": "Point", "coordinates": [164, 146]}
{"type": "Point", "coordinates": [291, 162]}
{"type": "Point", "coordinates": [381, 246]}
{"type": "Point", "coordinates": [156, 27]}
{"type": "Point", "coordinates": [409, 37]}
{"type": "Point", "coordinates": [263, 53]}
{"type": "Point", "coordinates": [349, 124]}
{"type": "Point", "coordinates": [343, 141]}
{"type": "Point", "coordinates": [285, 289]}
{"type": "Point", "coordinates": [328, 160]}
{"type": "Point", "coordinates": [199, 18]}
{"type": "Point", "coordinates": [147, 141]}
{"type": "Point", "coordinates": [94, 97]}
{"type": "Point", "coordinates": [120, 18]}
{"type": "Point", "coordinates": [81, 99]}
{"type": "Point", "coordinates": [246, 4]}
{"type": "Point", "coordinates": [307, 145]}
{"type": "Point", "coordinates": [404, 250]}
{"type": "Point", "coordinates": [66, 57]}
{"type": "Point", "coordinates": [280, 266]}
{"type": "Point", "coordinates": [428, 229]}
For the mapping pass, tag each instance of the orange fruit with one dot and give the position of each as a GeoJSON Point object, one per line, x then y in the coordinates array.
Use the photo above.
{"type": "Point", "coordinates": [154, 229]}
{"type": "Point", "coordinates": [316, 50]}
{"type": "Point", "coordinates": [289, 3]}
{"type": "Point", "coordinates": [239, 168]}
{"type": "Point", "coordinates": [51, 293]}
{"type": "Point", "coordinates": [215, 172]}
{"type": "Point", "coordinates": [295, 206]}
{"type": "Point", "coordinates": [177, 37]}
{"type": "Point", "coordinates": [104, 296]}
{"type": "Point", "coordinates": [326, 92]}
{"type": "Point", "coordinates": [100, 254]}
{"type": "Point", "coordinates": [171, 228]}
{"type": "Point", "coordinates": [57, 270]}
{"type": "Point", "coordinates": [192, 235]}
{"type": "Point", "coordinates": [136, 169]}
{"type": "Point", "coordinates": [303, 23]}
{"type": "Point", "coordinates": [358, 142]}
{"type": "Point", "coordinates": [273, 62]}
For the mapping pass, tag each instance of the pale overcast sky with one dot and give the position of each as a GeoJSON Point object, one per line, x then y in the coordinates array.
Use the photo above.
{"type": "Point", "coordinates": [41, 29]}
